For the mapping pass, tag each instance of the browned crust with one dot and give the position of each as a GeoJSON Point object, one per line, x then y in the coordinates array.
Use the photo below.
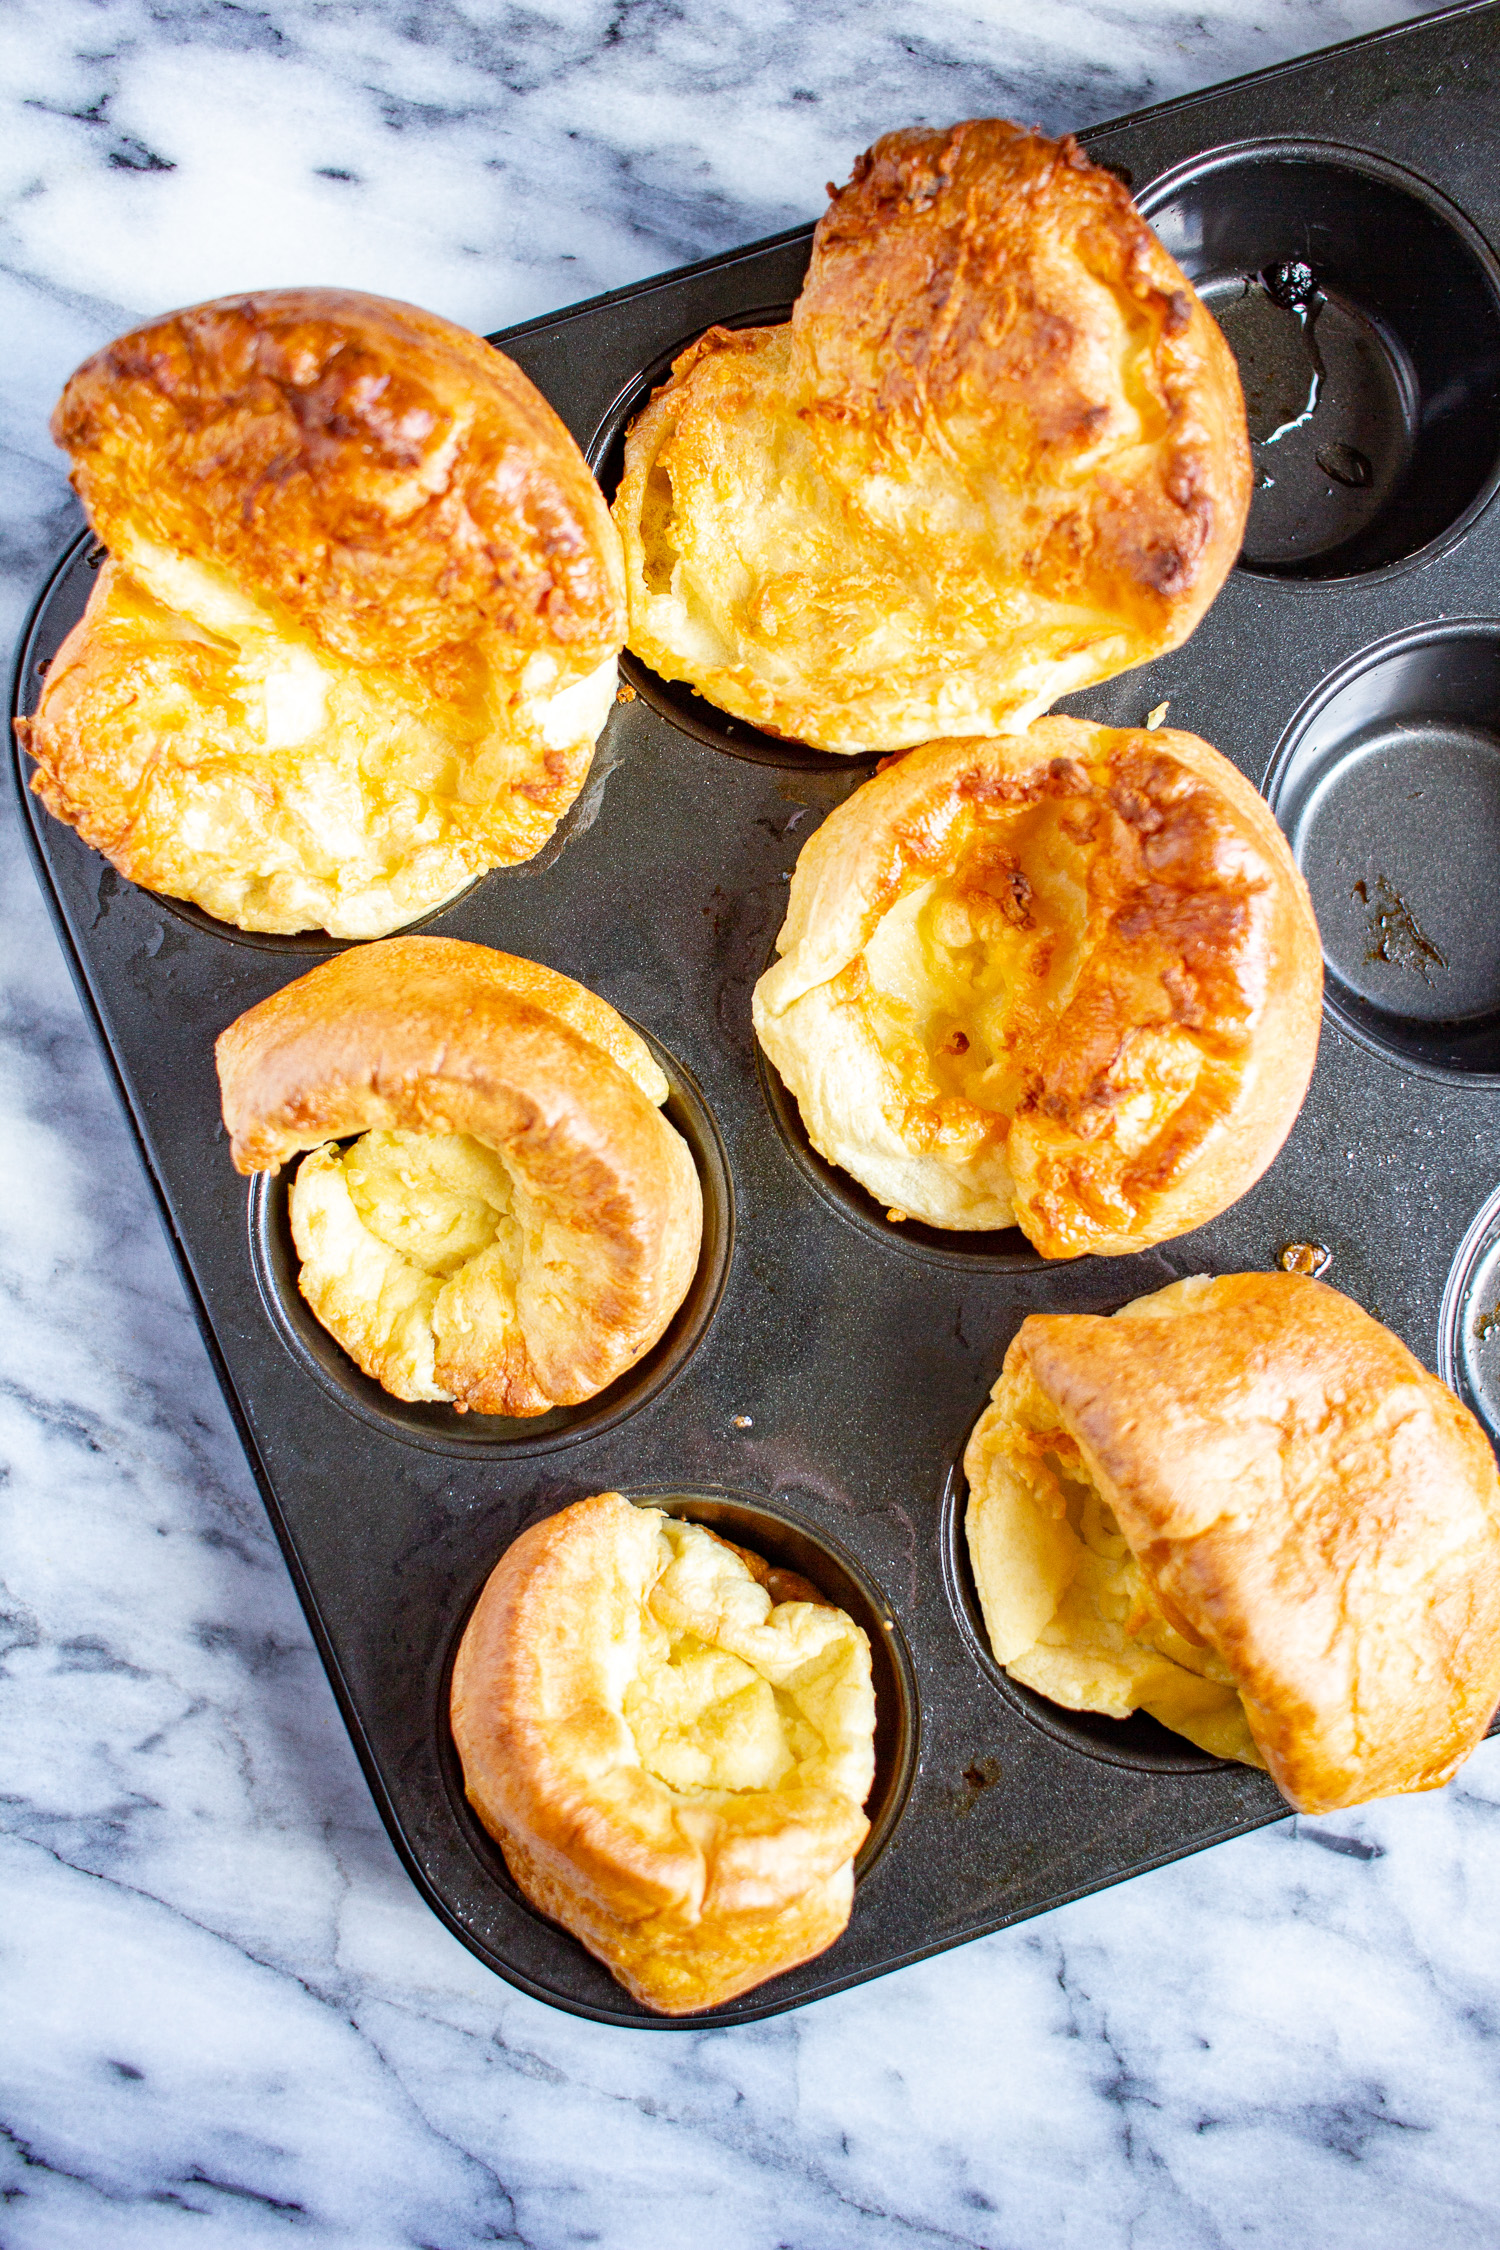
{"type": "Point", "coordinates": [432, 1035]}
{"type": "Point", "coordinates": [933, 297]}
{"type": "Point", "coordinates": [1028, 430]}
{"type": "Point", "coordinates": [1312, 1504]}
{"type": "Point", "coordinates": [377, 475]}
{"type": "Point", "coordinates": [1197, 918]}
{"type": "Point", "coordinates": [686, 1905]}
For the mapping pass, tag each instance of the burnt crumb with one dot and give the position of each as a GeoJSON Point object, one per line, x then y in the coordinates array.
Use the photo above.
{"type": "Point", "coordinates": [957, 1043]}
{"type": "Point", "coordinates": [1395, 934]}
{"type": "Point", "coordinates": [624, 693]}
{"type": "Point", "coordinates": [1304, 1257]}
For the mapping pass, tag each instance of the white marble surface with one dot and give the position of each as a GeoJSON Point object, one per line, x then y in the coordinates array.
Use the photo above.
{"type": "Point", "coordinates": [228, 2019]}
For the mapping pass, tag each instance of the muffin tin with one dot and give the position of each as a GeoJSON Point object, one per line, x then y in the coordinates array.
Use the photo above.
{"type": "Point", "coordinates": [815, 1393]}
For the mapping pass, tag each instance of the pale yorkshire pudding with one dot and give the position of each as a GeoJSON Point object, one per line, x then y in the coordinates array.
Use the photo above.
{"type": "Point", "coordinates": [672, 1747]}
{"type": "Point", "coordinates": [518, 1222]}
{"type": "Point", "coordinates": [998, 453]}
{"type": "Point", "coordinates": [1068, 980]}
{"type": "Point", "coordinates": [1242, 1506]}
{"type": "Point", "coordinates": [357, 636]}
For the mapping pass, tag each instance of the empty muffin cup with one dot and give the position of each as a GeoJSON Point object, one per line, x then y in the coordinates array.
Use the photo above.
{"type": "Point", "coordinates": [442, 1429]}
{"type": "Point", "coordinates": [1364, 312]}
{"type": "Point", "coordinates": [1387, 784]}
{"type": "Point", "coordinates": [1140, 1741]}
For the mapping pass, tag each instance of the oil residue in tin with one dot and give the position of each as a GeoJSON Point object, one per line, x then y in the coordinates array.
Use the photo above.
{"type": "Point", "coordinates": [974, 1781]}
{"type": "Point", "coordinates": [1304, 1257]}
{"type": "Point", "coordinates": [1396, 935]}
{"type": "Point", "coordinates": [1272, 331]}
{"type": "Point", "coordinates": [1487, 1325]}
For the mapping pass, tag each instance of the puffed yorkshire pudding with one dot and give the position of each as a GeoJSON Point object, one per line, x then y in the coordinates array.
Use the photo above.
{"type": "Point", "coordinates": [357, 638]}
{"type": "Point", "coordinates": [997, 454]}
{"type": "Point", "coordinates": [1242, 1506]}
{"type": "Point", "coordinates": [1067, 980]}
{"type": "Point", "coordinates": [518, 1223]}
{"type": "Point", "coordinates": [671, 1747]}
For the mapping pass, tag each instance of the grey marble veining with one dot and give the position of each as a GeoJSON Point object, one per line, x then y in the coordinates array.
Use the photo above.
{"type": "Point", "coordinates": [228, 2019]}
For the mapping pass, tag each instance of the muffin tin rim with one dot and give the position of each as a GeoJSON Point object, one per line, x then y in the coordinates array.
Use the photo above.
{"type": "Point", "coordinates": [1461, 1272]}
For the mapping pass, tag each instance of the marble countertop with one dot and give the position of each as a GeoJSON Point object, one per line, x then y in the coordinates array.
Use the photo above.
{"type": "Point", "coordinates": [229, 2019]}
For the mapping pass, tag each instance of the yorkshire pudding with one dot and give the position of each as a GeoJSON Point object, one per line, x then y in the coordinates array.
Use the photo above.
{"type": "Point", "coordinates": [997, 454]}
{"type": "Point", "coordinates": [1242, 1506]}
{"type": "Point", "coordinates": [357, 637]}
{"type": "Point", "coordinates": [517, 1223]}
{"type": "Point", "coordinates": [671, 1748]}
{"type": "Point", "coordinates": [1067, 980]}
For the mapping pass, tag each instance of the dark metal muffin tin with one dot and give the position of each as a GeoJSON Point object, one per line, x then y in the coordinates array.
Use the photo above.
{"type": "Point", "coordinates": [815, 1394]}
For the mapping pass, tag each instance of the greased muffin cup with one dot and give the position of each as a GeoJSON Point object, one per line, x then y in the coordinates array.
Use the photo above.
{"type": "Point", "coordinates": [1364, 310]}
{"type": "Point", "coordinates": [822, 1379]}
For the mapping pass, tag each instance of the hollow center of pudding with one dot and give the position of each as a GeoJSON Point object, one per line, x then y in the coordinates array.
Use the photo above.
{"type": "Point", "coordinates": [731, 1691]}
{"type": "Point", "coordinates": [1069, 1610]}
{"type": "Point", "coordinates": [412, 1249]}
{"type": "Point", "coordinates": [437, 1199]}
{"type": "Point", "coordinates": [705, 1719]}
{"type": "Point", "coordinates": [969, 969]}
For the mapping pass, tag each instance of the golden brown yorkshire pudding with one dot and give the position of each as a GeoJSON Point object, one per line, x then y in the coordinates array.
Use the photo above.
{"type": "Point", "coordinates": [1067, 980]}
{"type": "Point", "coordinates": [357, 638]}
{"type": "Point", "coordinates": [997, 454]}
{"type": "Point", "coordinates": [671, 1748]}
{"type": "Point", "coordinates": [1242, 1506]}
{"type": "Point", "coordinates": [517, 1223]}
